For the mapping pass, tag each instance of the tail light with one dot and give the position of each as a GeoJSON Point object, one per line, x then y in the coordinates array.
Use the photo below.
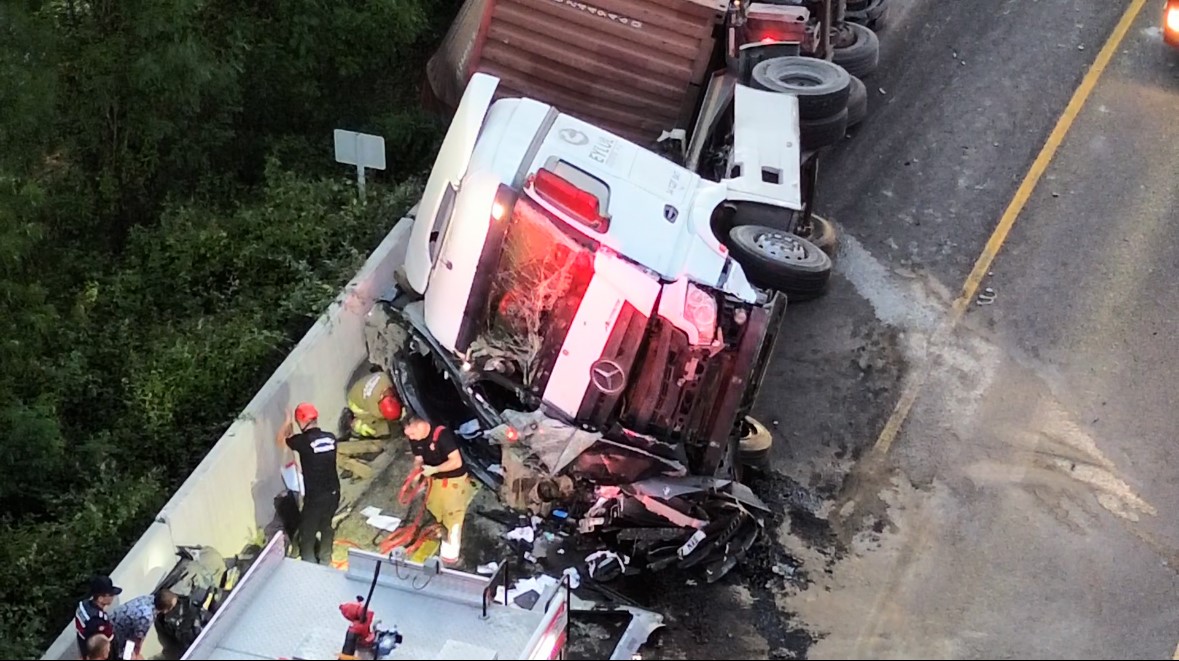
{"type": "Point", "coordinates": [1173, 18]}
{"type": "Point", "coordinates": [501, 206]}
{"type": "Point", "coordinates": [700, 309]}
{"type": "Point", "coordinates": [581, 205]}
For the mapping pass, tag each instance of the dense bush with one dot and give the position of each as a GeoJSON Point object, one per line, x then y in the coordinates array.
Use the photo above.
{"type": "Point", "coordinates": [171, 222]}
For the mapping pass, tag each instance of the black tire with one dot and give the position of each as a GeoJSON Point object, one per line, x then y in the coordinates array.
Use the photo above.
{"type": "Point", "coordinates": [777, 260]}
{"type": "Point", "coordinates": [821, 232]}
{"type": "Point", "coordinates": [861, 55]}
{"type": "Point", "coordinates": [823, 132]}
{"type": "Point", "coordinates": [754, 446]}
{"type": "Point", "coordinates": [821, 86]}
{"type": "Point", "coordinates": [857, 102]}
{"type": "Point", "coordinates": [872, 14]}
{"type": "Point", "coordinates": [824, 234]}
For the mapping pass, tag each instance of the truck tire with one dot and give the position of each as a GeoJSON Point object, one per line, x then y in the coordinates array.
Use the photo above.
{"type": "Point", "coordinates": [821, 87]}
{"type": "Point", "coordinates": [823, 233]}
{"type": "Point", "coordinates": [824, 131]}
{"type": "Point", "coordinates": [861, 53]}
{"type": "Point", "coordinates": [872, 14]}
{"type": "Point", "coordinates": [857, 102]}
{"type": "Point", "coordinates": [754, 446]}
{"type": "Point", "coordinates": [778, 260]}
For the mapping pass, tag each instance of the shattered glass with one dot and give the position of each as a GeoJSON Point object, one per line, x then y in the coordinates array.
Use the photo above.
{"type": "Point", "coordinates": [540, 275]}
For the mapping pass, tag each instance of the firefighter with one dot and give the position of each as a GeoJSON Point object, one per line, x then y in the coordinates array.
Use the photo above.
{"type": "Point", "coordinates": [436, 453]}
{"type": "Point", "coordinates": [373, 404]}
{"type": "Point", "coordinates": [317, 456]}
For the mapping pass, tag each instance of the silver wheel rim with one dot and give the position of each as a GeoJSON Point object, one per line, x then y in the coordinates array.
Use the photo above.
{"type": "Point", "coordinates": [780, 247]}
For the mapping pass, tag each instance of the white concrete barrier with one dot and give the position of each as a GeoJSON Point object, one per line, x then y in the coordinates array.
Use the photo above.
{"type": "Point", "coordinates": [144, 566]}
{"type": "Point", "coordinates": [230, 495]}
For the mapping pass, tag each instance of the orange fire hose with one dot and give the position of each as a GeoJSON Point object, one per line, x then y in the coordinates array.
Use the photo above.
{"type": "Point", "coordinates": [413, 536]}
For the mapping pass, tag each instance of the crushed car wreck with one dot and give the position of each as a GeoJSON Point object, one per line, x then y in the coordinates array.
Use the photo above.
{"type": "Point", "coordinates": [567, 304]}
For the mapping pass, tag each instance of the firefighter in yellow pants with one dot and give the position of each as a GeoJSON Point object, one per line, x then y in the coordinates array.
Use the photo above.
{"type": "Point", "coordinates": [436, 452]}
{"type": "Point", "coordinates": [373, 404]}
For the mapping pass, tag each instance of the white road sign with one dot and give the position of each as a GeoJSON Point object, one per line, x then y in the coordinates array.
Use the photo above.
{"type": "Point", "coordinates": [362, 150]}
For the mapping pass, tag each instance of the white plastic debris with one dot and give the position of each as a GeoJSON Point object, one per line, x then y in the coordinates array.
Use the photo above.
{"type": "Point", "coordinates": [537, 584]}
{"type": "Point", "coordinates": [384, 522]}
{"type": "Point", "coordinates": [523, 533]}
{"type": "Point", "coordinates": [574, 577]}
{"type": "Point", "coordinates": [487, 569]}
{"type": "Point", "coordinates": [370, 512]}
{"type": "Point", "coordinates": [601, 562]}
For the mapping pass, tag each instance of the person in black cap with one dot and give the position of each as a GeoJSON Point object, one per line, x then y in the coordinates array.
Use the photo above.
{"type": "Point", "coordinates": [91, 619]}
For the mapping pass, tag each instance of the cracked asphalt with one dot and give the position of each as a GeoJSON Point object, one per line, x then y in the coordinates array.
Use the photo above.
{"type": "Point", "coordinates": [1024, 510]}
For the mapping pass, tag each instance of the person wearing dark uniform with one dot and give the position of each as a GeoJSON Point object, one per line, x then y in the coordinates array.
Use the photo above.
{"type": "Point", "coordinates": [373, 404]}
{"type": "Point", "coordinates": [436, 453]}
{"type": "Point", "coordinates": [317, 456]}
{"type": "Point", "coordinates": [91, 618]}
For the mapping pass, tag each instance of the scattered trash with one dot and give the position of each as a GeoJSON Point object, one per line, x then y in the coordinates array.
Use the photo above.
{"type": "Point", "coordinates": [1055, 194]}
{"type": "Point", "coordinates": [605, 565]}
{"type": "Point", "coordinates": [526, 592]}
{"type": "Point", "coordinates": [487, 569]}
{"type": "Point", "coordinates": [370, 512]}
{"type": "Point", "coordinates": [560, 551]}
{"type": "Point", "coordinates": [882, 91]}
{"type": "Point", "coordinates": [1080, 46]}
{"type": "Point", "coordinates": [574, 577]}
{"type": "Point", "coordinates": [783, 569]}
{"type": "Point", "coordinates": [523, 534]}
{"type": "Point", "coordinates": [384, 522]}
{"type": "Point", "coordinates": [774, 423]}
{"type": "Point", "coordinates": [691, 582]}
{"type": "Point", "coordinates": [529, 557]}
{"type": "Point", "coordinates": [986, 296]}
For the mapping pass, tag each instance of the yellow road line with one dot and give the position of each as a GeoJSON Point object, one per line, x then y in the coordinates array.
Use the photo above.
{"type": "Point", "coordinates": [1022, 194]}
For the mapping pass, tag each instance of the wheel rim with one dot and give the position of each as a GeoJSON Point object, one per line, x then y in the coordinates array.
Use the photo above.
{"type": "Point", "coordinates": [781, 247]}
{"type": "Point", "coordinates": [800, 80]}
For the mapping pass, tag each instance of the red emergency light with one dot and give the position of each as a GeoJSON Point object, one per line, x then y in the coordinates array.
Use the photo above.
{"type": "Point", "coordinates": [579, 204]}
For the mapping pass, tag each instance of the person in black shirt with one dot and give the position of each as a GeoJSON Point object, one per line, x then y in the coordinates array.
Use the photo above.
{"type": "Point", "coordinates": [436, 453]}
{"type": "Point", "coordinates": [317, 456]}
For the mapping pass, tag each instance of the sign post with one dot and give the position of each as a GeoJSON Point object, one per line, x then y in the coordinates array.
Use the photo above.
{"type": "Point", "coordinates": [362, 150]}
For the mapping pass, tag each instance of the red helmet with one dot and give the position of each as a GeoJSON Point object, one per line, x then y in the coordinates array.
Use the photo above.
{"type": "Point", "coordinates": [390, 407]}
{"type": "Point", "coordinates": [305, 413]}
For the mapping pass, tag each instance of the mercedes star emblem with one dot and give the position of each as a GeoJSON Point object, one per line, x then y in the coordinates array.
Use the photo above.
{"type": "Point", "coordinates": [573, 136]}
{"type": "Point", "coordinates": [607, 376]}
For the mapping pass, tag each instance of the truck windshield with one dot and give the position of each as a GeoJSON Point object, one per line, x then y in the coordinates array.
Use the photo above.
{"type": "Point", "coordinates": [537, 285]}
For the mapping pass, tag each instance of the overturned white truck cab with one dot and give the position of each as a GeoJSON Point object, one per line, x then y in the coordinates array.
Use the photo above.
{"type": "Point", "coordinates": [577, 297]}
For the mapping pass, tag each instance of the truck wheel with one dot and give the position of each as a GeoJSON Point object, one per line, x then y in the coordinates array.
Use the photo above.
{"type": "Point", "coordinates": [857, 102]}
{"type": "Point", "coordinates": [872, 14]}
{"type": "Point", "coordinates": [857, 49]}
{"type": "Point", "coordinates": [823, 132]}
{"type": "Point", "coordinates": [754, 446]}
{"type": "Point", "coordinates": [823, 234]}
{"type": "Point", "coordinates": [778, 260]}
{"type": "Point", "coordinates": [821, 87]}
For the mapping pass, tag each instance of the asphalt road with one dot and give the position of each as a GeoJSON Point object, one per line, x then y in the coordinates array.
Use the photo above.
{"type": "Point", "coordinates": [1024, 508]}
